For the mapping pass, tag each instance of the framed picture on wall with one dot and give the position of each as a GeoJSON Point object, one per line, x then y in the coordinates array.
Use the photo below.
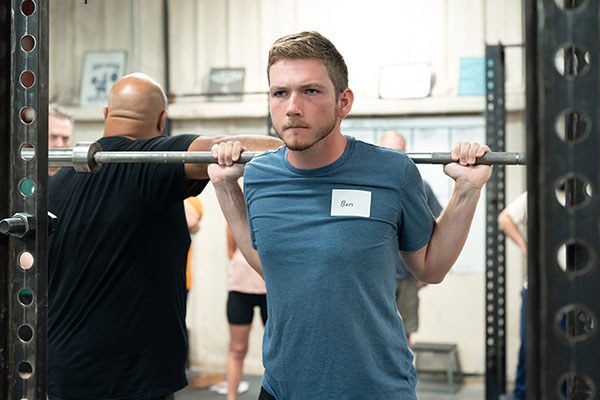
{"type": "Point", "coordinates": [100, 69]}
{"type": "Point", "coordinates": [226, 84]}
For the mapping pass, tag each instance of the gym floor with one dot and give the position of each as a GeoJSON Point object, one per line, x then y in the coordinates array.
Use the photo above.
{"type": "Point", "coordinates": [473, 389]}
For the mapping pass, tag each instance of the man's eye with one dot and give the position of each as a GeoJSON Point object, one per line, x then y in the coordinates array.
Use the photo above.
{"type": "Point", "coordinates": [311, 91]}
{"type": "Point", "coordinates": [279, 93]}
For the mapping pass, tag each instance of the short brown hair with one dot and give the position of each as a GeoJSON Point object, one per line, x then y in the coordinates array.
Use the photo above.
{"type": "Point", "coordinates": [312, 45]}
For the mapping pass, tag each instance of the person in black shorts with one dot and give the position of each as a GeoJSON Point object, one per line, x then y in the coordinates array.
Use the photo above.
{"type": "Point", "coordinates": [246, 292]}
{"type": "Point", "coordinates": [116, 271]}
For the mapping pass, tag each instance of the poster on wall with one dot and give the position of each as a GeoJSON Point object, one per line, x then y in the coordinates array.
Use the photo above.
{"type": "Point", "coordinates": [100, 70]}
{"type": "Point", "coordinates": [226, 84]}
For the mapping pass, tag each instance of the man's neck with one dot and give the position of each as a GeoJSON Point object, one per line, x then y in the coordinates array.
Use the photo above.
{"type": "Point", "coordinates": [322, 153]}
{"type": "Point", "coordinates": [128, 129]}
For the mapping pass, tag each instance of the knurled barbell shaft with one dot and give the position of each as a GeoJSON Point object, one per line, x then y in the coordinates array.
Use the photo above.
{"type": "Point", "coordinates": [206, 157]}
{"type": "Point", "coordinates": [86, 157]}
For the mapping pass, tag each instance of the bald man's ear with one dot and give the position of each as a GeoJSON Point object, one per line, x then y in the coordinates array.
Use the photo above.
{"type": "Point", "coordinates": [105, 111]}
{"type": "Point", "coordinates": [162, 120]}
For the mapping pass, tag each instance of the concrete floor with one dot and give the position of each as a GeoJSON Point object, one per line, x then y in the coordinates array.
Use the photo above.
{"type": "Point", "coordinates": [472, 390]}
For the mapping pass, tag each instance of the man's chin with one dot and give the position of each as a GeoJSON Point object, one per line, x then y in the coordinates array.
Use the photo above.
{"type": "Point", "coordinates": [299, 148]}
{"type": "Point", "coordinates": [294, 146]}
{"type": "Point", "coordinates": [301, 142]}
{"type": "Point", "coordinates": [292, 142]}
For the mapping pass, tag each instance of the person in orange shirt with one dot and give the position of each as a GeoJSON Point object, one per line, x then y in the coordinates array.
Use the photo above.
{"type": "Point", "coordinates": [193, 215]}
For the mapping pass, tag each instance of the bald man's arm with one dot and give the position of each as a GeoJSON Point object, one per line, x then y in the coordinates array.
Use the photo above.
{"type": "Point", "coordinates": [205, 143]}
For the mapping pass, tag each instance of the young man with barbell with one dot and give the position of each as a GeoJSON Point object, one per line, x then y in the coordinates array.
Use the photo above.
{"type": "Point", "coordinates": [327, 215]}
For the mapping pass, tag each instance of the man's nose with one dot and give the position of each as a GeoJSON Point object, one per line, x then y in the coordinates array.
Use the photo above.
{"type": "Point", "coordinates": [294, 106]}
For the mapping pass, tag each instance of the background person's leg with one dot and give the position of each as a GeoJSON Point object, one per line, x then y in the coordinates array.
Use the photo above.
{"type": "Point", "coordinates": [520, 392]}
{"type": "Point", "coordinates": [238, 347]}
{"type": "Point", "coordinates": [407, 301]}
{"type": "Point", "coordinates": [240, 312]}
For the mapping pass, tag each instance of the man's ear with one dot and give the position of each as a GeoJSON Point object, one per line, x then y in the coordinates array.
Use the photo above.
{"type": "Point", "coordinates": [345, 100]}
{"type": "Point", "coordinates": [105, 112]}
{"type": "Point", "coordinates": [162, 120]}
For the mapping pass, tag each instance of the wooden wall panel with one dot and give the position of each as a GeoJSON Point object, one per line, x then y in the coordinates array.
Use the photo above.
{"type": "Point", "coordinates": [183, 44]}
{"type": "Point", "coordinates": [464, 38]}
{"type": "Point", "coordinates": [278, 18]}
{"type": "Point", "coordinates": [150, 54]}
{"type": "Point", "coordinates": [118, 27]}
{"type": "Point", "coordinates": [504, 23]}
{"type": "Point", "coordinates": [61, 63]}
{"type": "Point", "coordinates": [244, 41]}
{"type": "Point", "coordinates": [89, 21]}
{"type": "Point", "coordinates": [212, 35]}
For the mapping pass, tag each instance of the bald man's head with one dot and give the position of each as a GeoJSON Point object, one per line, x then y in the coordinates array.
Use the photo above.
{"type": "Point", "coordinates": [136, 108]}
{"type": "Point", "coordinates": [393, 140]}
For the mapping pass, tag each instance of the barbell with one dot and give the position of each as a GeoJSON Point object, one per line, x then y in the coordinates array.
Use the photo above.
{"type": "Point", "coordinates": [88, 157]}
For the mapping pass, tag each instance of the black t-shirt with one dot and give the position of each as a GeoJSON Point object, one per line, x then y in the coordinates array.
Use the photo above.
{"type": "Point", "coordinates": [116, 289]}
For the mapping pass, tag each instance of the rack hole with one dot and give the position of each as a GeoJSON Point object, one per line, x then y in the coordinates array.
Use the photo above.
{"type": "Point", "coordinates": [573, 191]}
{"type": "Point", "coordinates": [572, 60]}
{"type": "Point", "coordinates": [27, 152]}
{"type": "Point", "coordinates": [27, 187]}
{"type": "Point", "coordinates": [25, 333]}
{"type": "Point", "coordinates": [27, 7]}
{"type": "Point", "coordinates": [573, 126]}
{"type": "Point", "coordinates": [27, 115]}
{"type": "Point", "coordinates": [576, 323]}
{"type": "Point", "coordinates": [26, 260]}
{"type": "Point", "coordinates": [569, 4]}
{"type": "Point", "coordinates": [27, 79]}
{"type": "Point", "coordinates": [575, 258]}
{"type": "Point", "coordinates": [26, 296]}
{"type": "Point", "coordinates": [25, 370]}
{"type": "Point", "coordinates": [27, 43]}
{"type": "Point", "coordinates": [576, 386]}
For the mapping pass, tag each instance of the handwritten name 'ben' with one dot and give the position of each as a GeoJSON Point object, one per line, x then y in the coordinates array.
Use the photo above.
{"type": "Point", "coordinates": [344, 203]}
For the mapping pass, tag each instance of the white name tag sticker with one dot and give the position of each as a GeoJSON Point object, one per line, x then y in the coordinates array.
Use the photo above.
{"type": "Point", "coordinates": [353, 203]}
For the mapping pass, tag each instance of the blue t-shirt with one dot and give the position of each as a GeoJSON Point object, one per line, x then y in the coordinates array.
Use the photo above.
{"type": "Point", "coordinates": [402, 271]}
{"type": "Point", "coordinates": [334, 331]}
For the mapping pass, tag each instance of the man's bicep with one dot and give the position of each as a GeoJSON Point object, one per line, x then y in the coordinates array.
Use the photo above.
{"type": "Point", "coordinates": [415, 260]}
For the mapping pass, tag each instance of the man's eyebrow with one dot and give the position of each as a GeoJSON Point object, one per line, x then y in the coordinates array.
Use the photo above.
{"type": "Point", "coordinates": [312, 85]}
{"type": "Point", "coordinates": [303, 86]}
{"type": "Point", "coordinates": [277, 88]}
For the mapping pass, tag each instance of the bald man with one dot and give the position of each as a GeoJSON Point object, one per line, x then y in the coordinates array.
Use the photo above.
{"type": "Point", "coordinates": [116, 284]}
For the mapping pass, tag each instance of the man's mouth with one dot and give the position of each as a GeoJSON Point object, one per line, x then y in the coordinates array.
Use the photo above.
{"type": "Point", "coordinates": [295, 127]}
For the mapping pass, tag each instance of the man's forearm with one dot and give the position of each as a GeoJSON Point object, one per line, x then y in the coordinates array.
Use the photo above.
{"type": "Point", "coordinates": [231, 200]}
{"type": "Point", "coordinates": [253, 142]}
{"type": "Point", "coordinates": [450, 233]}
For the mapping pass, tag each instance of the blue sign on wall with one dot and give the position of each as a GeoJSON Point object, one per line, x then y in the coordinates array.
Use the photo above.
{"type": "Point", "coordinates": [472, 76]}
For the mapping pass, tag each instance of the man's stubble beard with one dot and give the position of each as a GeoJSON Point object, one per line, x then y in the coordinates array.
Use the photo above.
{"type": "Point", "coordinates": [322, 133]}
